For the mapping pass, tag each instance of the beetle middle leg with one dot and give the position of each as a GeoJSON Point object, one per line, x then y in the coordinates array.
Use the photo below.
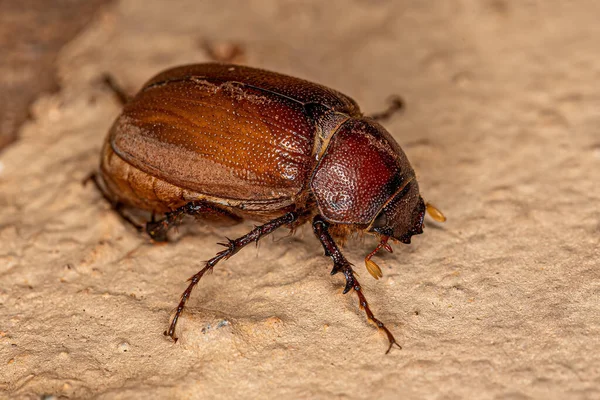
{"type": "Point", "coordinates": [340, 264]}
{"type": "Point", "coordinates": [232, 247]}
{"type": "Point", "coordinates": [157, 230]}
{"type": "Point", "coordinates": [396, 104]}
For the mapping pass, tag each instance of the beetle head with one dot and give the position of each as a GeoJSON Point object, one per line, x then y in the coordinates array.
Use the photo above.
{"type": "Point", "coordinates": [364, 179]}
{"type": "Point", "coordinates": [403, 216]}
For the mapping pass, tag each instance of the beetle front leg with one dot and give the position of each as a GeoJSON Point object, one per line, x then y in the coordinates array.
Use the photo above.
{"type": "Point", "coordinates": [321, 229]}
{"type": "Point", "coordinates": [232, 247]}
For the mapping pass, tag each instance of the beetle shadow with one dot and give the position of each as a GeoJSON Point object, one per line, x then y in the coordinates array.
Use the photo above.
{"type": "Point", "coordinates": [434, 226]}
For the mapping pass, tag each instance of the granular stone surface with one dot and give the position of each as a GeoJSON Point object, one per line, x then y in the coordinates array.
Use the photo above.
{"type": "Point", "coordinates": [502, 126]}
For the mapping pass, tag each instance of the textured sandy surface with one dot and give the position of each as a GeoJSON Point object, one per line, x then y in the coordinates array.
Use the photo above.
{"type": "Point", "coordinates": [31, 33]}
{"type": "Point", "coordinates": [501, 302]}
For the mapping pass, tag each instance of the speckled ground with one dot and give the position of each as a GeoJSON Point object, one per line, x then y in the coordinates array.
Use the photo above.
{"type": "Point", "coordinates": [502, 302]}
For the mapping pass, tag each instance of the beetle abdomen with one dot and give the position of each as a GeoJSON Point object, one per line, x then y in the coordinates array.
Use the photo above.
{"type": "Point", "coordinates": [126, 184]}
{"type": "Point", "coordinates": [223, 140]}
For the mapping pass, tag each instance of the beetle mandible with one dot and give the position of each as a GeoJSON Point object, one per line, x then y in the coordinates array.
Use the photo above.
{"type": "Point", "coordinates": [243, 143]}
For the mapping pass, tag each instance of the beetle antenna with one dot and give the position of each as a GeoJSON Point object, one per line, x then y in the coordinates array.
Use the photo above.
{"type": "Point", "coordinates": [435, 213]}
{"type": "Point", "coordinates": [372, 267]}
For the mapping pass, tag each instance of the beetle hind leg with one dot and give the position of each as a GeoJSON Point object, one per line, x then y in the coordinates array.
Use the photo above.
{"type": "Point", "coordinates": [120, 94]}
{"type": "Point", "coordinates": [231, 247]}
{"type": "Point", "coordinates": [396, 105]}
{"type": "Point", "coordinates": [340, 264]}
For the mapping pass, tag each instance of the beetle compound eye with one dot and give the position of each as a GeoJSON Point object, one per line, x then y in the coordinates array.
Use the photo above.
{"type": "Point", "coordinates": [434, 213]}
{"type": "Point", "coordinates": [380, 221]}
{"type": "Point", "coordinates": [381, 225]}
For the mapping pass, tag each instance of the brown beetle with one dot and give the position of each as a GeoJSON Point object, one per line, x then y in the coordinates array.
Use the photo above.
{"type": "Point", "coordinates": [238, 142]}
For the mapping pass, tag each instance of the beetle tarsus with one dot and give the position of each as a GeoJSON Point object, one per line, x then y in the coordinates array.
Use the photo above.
{"type": "Point", "coordinates": [232, 247]}
{"type": "Point", "coordinates": [320, 227]}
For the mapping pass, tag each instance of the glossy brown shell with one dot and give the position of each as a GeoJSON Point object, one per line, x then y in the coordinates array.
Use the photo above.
{"type": "Point", "coordinates": [236, 135]}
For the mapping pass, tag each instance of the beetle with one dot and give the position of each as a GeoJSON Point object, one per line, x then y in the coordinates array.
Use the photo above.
{"type": "Point", "coordinates": [235, 142]}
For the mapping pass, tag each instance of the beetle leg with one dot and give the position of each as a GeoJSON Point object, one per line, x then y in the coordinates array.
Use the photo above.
{"type": "Point", "coordinates": [224, 52]}
{"type": "Point", "coordinates": [117, 206]}
{"type": "Point", "coordinates": [320, 227]}
{"type": "Point", "coordinates": [396, 104]}
{"type": "Point", "coordinates": [157, 230]}
{"type": "Point", "coordinates": [232, 247]}
{"type": "Point", "coordinates": [117, 90]}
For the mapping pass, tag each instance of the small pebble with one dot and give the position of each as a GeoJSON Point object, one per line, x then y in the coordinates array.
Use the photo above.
{"type": "Point", "coordinates": [222, 323]}
{"type": "Point", "coordinates": [123, 347]}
